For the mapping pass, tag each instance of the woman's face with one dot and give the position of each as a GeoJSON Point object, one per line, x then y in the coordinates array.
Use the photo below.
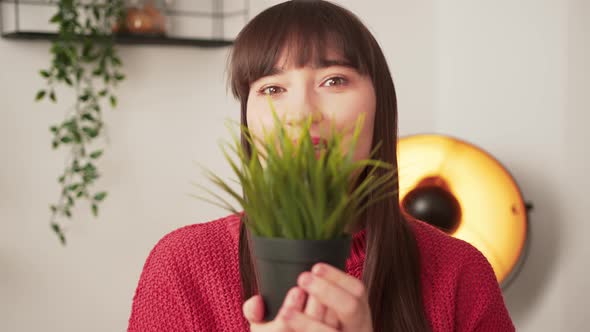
{"type": "Point", "coordinates": [331, 93]}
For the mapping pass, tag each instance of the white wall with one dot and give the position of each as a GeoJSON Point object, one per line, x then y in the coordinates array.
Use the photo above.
{"type": "Point", "coordinates": [509, 76]}
{"type": "Point", "coordinates": [574, 195]}
{"type": "Point", "coordinates": [171, 112]}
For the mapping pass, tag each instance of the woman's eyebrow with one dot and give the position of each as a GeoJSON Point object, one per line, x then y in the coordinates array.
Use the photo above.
{"type": "Point", "coordinates": [324, 63]}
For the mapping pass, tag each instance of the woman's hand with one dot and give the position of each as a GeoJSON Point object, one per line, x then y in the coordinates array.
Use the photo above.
{"type": "Point", "coordinates": [335, 302]}
{"type": "Point", "coordinates": [253, 310]}
{"type": "Point", "coordinates": [343, 295]}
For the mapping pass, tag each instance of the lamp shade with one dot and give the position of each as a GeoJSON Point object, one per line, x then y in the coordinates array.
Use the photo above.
{"type": "Point", "coordinates": [467, 193]}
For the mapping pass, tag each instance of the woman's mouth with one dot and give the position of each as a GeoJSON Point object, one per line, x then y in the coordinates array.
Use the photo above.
{"type": "Point", "coordinates": [317, 142]}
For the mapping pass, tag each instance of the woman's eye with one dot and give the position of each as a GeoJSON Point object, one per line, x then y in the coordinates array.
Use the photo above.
{"type": "Point", "coordinates": [270, 90]}
{"type": "Point", "coordinates": [334, 81]}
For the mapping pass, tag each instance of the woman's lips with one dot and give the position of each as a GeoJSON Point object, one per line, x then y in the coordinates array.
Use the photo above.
{"type": "Point", "coordinates": [317, 142]}
{"type": "Point", "coordinates": [319, 145]}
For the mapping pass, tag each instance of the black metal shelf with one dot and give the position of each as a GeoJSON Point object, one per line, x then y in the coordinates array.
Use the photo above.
{"type": "Point", "coordinates": [217, 16]}
{"type": "Point", "coordinates": [128, 39]}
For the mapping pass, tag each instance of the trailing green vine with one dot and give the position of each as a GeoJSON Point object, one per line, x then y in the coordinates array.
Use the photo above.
{"type": "Point", "coordinates": [84, 57]}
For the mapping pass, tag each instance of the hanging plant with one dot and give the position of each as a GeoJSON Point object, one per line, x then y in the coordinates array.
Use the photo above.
{"type": "Point", "coordinates": [84, 59]}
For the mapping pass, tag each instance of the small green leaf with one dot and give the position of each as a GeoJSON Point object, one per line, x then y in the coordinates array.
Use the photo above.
{"type": "Point", "coordinates": [86, 49]}
{"type": "Point", "coordinates": [100, 196]}
{"type": "Point", "coordinates": [53, 208]}
{"type": "Point", "coordinates": [74, 186]}
{"type": "Point", "coordinates": [52, 96]}
{"type": "Point", "coordinates": [55, 227]}
{"type": "Point", "coordinates": [119, 76]}
{"type": "Point", "coordinates": [54, 144]}
{"type": "Point", "coordinates": [70, 200]}
{"type": "Point", "coordinates": [44, 73]}
{"type": "Point", "coordinates": [40, 95]}
{"type": "Point", "coordinates": [84, 97]}
{"type": "Point", "coordinates": [87, 116]}
{"type": "Point", "coordinates": [89, 167]}
{"type": "Point", "coordinates": [66, 139]}
{"type": "Point", "coordinates": [96, 154]}
{"type": "Point", "coordinates": [95, 210]}
{"type": "Point", "coordinates": [91, 132]}
{"type": "Point", "coordinates": [68, 81]}
{"type": "Point", "coordinates": [53, 129]}
{"type": "Point", "coordinates": [68, 213]}
{"type": "Point", "coordinates": [90, 174]}
{"type": "Point", "coordinates": [79, 194]}
{"type": "Point", "coordinates": [96, 13]}
{"type": "Point", "coordinates": [70, 125]}
{"type": "Point", "coordinates": [56, 48]}
{"type": "Point", "coordinates": [61, 73]}
{"type": "Point", "coordinates": [113, 101]}
{"type": "Point", "coordinates": [79, 73]}
{"type": "Point", "coordinates": [103, 92]}
{"type": "Point", "coordinates": [77, 138]}
{"type": "Point", "coordinates": [61, 179]}
{"type": "Point", "coordinates": [56, 18]}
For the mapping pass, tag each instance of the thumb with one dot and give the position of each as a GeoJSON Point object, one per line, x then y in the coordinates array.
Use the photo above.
{"type": "Point", "coordinates": [253, 309]}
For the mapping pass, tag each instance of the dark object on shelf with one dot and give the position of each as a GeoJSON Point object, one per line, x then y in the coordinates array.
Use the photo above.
{"type": "Point", "coordinates": [148, 20]}
{"type": "Point", "coordinates": [124, 36]}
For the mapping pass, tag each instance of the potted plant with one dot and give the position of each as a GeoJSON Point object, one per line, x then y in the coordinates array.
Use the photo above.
{"type": "Point", "coordinates": [299, 199]}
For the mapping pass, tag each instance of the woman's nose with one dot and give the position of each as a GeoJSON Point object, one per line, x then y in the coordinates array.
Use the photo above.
{"type": "Point", "coordinates": [304, 105]}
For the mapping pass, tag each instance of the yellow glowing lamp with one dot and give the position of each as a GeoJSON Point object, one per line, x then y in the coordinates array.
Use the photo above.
{"type": "Point", "coordinates": [461, 189]}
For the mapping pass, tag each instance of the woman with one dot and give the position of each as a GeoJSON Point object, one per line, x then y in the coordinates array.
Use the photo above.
{"type": "Point", "coordinates": [314, 58]}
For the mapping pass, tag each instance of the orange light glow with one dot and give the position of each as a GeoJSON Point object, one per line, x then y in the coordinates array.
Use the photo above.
{"type": "Point", "coordinates": [493, 214]}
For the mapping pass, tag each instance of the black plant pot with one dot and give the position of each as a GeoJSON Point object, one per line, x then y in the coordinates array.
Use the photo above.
{"type": "Point", "coordinates": [280, 261]}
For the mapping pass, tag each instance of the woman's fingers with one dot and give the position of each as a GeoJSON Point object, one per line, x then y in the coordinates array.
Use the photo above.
{"type": "Point", "coordinates": [345, 281]}
{"type": "Point", "coordinates": [253, 309]}
{"type": "Point", "coordinates": [314, 309]}
{"type": "Point", "coordinates": [295, 300]}
{"type": "Point", "coordinates": [277, 325]}
{"type": "Point", "coordinates": [331, 319]}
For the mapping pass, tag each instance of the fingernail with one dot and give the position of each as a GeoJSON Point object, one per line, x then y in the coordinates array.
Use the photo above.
{"type": "Point", "coordinates": [318, 269]}
{"type": "Point", "coordinates": [294, 295]}
{"type": "Point", "coordinates": [305, 279]}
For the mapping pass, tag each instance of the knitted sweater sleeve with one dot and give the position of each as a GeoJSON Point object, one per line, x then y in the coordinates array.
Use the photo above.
{"type": "Point", "coordinates": [159, 303]}
{"type": "Point", "coordinates": [480, 306]}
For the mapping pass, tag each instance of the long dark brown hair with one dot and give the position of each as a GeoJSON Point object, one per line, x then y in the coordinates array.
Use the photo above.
{"type": "Point", "coordinates": [305, 29]}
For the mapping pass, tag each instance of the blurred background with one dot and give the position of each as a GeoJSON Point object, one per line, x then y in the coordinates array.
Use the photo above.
{"type": "Point", "coordinates": [509, 76]}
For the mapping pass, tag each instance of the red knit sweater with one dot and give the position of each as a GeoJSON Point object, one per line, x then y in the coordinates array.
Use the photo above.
{"type": "Point", "coordinates": [191, 282]}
